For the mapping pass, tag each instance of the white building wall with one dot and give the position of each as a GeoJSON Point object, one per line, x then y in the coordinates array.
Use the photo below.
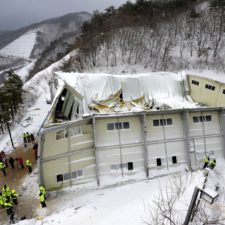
{"type": "Point", "coordinates": [106, 137]}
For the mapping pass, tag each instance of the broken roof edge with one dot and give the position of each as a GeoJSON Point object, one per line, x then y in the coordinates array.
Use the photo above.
{"type": "Point", "coordinates": [89, 117]}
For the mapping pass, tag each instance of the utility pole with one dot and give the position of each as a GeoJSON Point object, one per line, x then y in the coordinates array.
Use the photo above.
{"type": "Point", "coordinates": [7, 123]}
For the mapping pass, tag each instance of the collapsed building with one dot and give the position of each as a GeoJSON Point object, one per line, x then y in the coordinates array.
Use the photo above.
{"type": "Point", "coordinates": [105, 128]}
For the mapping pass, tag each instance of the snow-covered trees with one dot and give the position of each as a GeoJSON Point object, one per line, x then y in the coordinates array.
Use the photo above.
{"type": "Point", "coordinates": [10, 99]}
{"type": "Point", "coordinates": [159, 35]}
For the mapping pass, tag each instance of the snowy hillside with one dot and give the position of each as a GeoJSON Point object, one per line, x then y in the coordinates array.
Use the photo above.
{"type": "Point", "coordinates": [21, 47]}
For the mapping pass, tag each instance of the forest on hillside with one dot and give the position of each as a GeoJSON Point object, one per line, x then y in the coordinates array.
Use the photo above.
{"type": "Point", "coordinates": [159, 35]}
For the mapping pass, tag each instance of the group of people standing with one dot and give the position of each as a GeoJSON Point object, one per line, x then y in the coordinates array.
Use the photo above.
{"type": "Point", "coordinates": [19, 164]}
{"type": "Point", "coordinates": [209, 163]}
{"type": "Point", "coordinates": [27, 138]}
{"type": "Point", "coordinates": [8, 198]}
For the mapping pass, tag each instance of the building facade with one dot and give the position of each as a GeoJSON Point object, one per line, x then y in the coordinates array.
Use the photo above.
{"type": "Point", "coordinates": [107, 129]}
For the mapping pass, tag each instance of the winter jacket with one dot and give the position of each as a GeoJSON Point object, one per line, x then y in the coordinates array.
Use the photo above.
{"type": "Point", "coordinates": [28, 163]}
{"type": "Point", "coordinates": [7, 205]}
{"type": "Point", "coordinates": [14, 195]}
{"type": "Point", "coordinates": [1, 200]}
{"type": "Point", "coordinates": [42, 197]}
{"type": "Point", "coordinates": [2, 165]}
{"type": "Point", "coordinates": [6, 191]}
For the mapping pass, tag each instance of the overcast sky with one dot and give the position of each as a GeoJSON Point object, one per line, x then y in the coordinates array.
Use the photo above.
{"type": "Point", "coordinates": [15, 14]}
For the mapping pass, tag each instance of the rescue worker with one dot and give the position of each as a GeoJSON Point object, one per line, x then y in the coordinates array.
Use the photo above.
{"type": "Point", "coordinates": [9, 209]}
{"type": "Point", "coordinates": [42, 191]}
{"type": "Point", "coordinates": [206, 162]}
{"type": "Point", "coordinates": [29, 165]}
{"type": "Point", "coordinates": [6, 191]}
{"type": "Point", "coordinates": [212, 164]}
{"type": "Point", "coordinates": [42, 200]}
{"type": "Point", "coordinates": [25, 139]}
{"type": "Point", "coordinates": [1, 200]}
{"type": "Point", "coordinates": [2, 168]}
{"type": "Point", "coordinates": [14, 196]}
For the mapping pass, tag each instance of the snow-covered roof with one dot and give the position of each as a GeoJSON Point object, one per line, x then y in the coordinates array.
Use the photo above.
{"type": "Point", "coordinates": [104, 93]}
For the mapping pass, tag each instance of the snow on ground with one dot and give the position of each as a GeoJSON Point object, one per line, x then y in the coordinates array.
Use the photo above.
{"type": "Point", "coordinates": [22, 46]}
{"type": "Point", "coordinates": [122, 204]}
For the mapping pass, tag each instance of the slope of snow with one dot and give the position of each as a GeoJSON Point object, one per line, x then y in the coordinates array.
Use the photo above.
{"type": "Point", "coordinates": [22, 46]}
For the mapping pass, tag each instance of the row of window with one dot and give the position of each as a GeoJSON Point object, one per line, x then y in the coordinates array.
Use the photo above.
{"type": "Point", "coordinates": [159, 161]}
{"type": "Point", "coordinates": [162, 122]}
{"type": "Point", "coordinates": [199, 119]}
{"type": "Point", "coordinates": [210, 87]}
{"type": "Point", "coordinates": [118, 126]}
{"type": "Point", "coordinates": [66, 176]}
{"type": "Point", "coordinates": [207, 86]}
{"type": "Point", "coordinates": [129, 166]}
{"type": "Point", "coordinates": [126, 125]}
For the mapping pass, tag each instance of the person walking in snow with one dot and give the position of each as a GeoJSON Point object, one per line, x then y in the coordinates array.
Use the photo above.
{"type": "Point", "coordinates": [35, 148]}
{"type": "Point", "coordinates": [212, 164]}
{"type": "Point", "coordinates": [42, 190]}
{"type": "Point", "coordinates": [42, 200]}
{"type": "Point", "coordinates": [11, 162]}
{"type": "Point", "coordinates": [29, 165]}
{"type": "Point", "coordinates": [206, 162]}
{"type": "Point", "coordinates": [24, 138]}
{"type": "Point", "coordinates": [20, 162]}
{"type": "Point", "coordinates": [6, 193]}
{"type": "Point", "coordinates": [2, 168]}
{"type": "Point", "coordinates": [14, 196]}
{"type": "Point", "coordinates": [9, 209]}
{"type": "Point", "coordinates": [32, 138]}
{"type": "Point", "coordinates": [28, 137]}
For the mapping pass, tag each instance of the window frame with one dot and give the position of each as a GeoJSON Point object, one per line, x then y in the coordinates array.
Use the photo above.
{"type": "Point", "coordinates": [195, 82]}
{"type": "Point", "coordinates": [174, 159]}
{"type": "Point", "coordinates": [202, 119]}
{"type": "Point", "coordinates": [210, 87]}
{"type": "Point", "coordinates": [116, 125]}
{"type": "Point", "coordinates": [158, 162]}
{"type": "Point", "coordinates": [162, 122]}
{"type": "Point", "coordinates": [65, 135]}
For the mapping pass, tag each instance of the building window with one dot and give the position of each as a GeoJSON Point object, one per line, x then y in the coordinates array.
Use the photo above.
{"type": "Point", "coordinates": [59, 177]}
{"type": "Point", "coordinates": [198, 119]}
{"type": "Point", "coordinates": [155, 123]}
{"type": "Point", "coordinates": [174, 159]}
{"type": "Point", "coordinates": [126, 125]}
{"type": "Point", "coordinates": [75, 131]}
{"type": "Point", "coordinates": [162, 122]}
{"type": "Point", "coordinates": [118, 126]}
{"type": "Point", "coordinates": [195, 82]}
{"type": "Point", "coordinates": [61, 134]}
{"type": "Point", "coordinates": [110, 126]}
{"type": "Point", "coordinates": [208, 118]}
{"type": "Point", "coordinates": [210, 87]}
{"type": "Point", "coordinates": [77, 173]}
{"type": "Point", "coordinates": [66, 176]}
{"type": "Point", "coordinates": [130, 166]}
{"type": "Point", "coordinates": [158, 162]}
